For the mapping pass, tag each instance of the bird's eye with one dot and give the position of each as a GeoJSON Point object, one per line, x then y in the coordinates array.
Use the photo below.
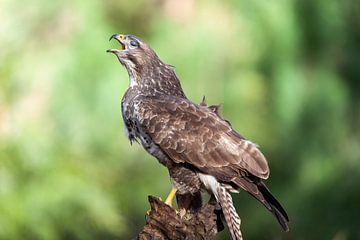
{"type": "Point", "coordinates": [134, 44]}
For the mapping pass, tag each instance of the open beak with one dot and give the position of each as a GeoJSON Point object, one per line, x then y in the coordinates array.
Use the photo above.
{"type": "Point", "coordinates": [120, 39]}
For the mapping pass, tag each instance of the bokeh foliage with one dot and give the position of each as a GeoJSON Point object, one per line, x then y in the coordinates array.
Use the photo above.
{"type": "Point", "coordinates": [286, 72]}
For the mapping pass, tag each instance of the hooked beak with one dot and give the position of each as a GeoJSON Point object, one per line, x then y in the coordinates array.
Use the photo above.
{"type": "Point", "coordinates": [121, 40]}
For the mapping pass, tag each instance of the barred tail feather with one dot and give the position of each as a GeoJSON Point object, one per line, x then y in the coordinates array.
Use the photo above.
{"type": "Point", "coordinates": [231, 217]}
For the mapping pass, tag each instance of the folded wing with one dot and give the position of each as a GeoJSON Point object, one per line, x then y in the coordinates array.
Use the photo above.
{"type": "Point", "coordinates": [194, 134]}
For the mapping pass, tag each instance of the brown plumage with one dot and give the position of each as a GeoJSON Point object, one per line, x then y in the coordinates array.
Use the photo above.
{"type": "Point", "coordinates": [200, 148]}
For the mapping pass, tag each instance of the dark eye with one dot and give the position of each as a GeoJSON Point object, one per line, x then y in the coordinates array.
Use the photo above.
{"type": "Point", "coordinates": [134, 43]}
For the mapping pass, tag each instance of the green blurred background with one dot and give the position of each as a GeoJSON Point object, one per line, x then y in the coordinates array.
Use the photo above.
{"type": "Point", "coordinates": [286, 72]}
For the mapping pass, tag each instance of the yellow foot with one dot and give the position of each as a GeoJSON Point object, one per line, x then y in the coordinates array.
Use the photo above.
{"type": "Point", "coordinates": [170, 198]}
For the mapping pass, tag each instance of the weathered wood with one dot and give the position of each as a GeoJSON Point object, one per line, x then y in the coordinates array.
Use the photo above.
{"type": "Point", "coordinates": [164, 223]}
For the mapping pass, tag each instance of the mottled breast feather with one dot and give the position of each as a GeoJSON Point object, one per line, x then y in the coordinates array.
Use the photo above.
{"type": "Point", "coordinates": [196, 135]}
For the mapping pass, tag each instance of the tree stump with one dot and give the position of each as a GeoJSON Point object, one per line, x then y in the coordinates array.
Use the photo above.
{"type": "Point", "coordinates": [164, 223]}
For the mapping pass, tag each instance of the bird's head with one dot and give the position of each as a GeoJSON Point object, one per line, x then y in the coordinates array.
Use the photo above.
{"type": "Point", "coordinates": [144, 67]}
{"type": "Point", "coordinates": [134, 54]}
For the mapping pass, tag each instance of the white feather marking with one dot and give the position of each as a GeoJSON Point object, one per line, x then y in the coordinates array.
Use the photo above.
{"type": "Point", "coordinates": [133, 82]}
{"type": "Point", "coordinates": [210, 183]}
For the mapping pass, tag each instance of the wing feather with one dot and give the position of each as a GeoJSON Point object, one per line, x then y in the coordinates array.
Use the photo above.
{"type": "Point", "coordinates": [195, 134]}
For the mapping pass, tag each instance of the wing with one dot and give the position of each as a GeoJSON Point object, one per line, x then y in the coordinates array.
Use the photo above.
{"type": "Point", "coordinates": [195, 134]}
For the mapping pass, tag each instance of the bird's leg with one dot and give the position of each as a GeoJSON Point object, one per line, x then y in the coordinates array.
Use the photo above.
{"type": "Point", "coordinates": [170, 197]}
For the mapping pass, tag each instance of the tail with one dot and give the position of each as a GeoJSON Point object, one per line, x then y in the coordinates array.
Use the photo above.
{"type": "Point", "coordinates": [260, 192]}
{"type": "Point", "coordinates": [276, 209]}
{"type": "Point", "coordinates": [231, 217]}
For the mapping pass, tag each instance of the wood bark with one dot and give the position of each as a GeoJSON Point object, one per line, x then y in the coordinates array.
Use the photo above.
{"type": "Point", "coordinates": [165, 223]}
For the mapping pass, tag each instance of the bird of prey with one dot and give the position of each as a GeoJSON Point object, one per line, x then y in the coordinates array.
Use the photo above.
{"type": "Point", "coordinates": [200, 149]}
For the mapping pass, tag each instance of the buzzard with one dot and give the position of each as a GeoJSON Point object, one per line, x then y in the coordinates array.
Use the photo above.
{"type": "Point", "coordinates": [200, 149]}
